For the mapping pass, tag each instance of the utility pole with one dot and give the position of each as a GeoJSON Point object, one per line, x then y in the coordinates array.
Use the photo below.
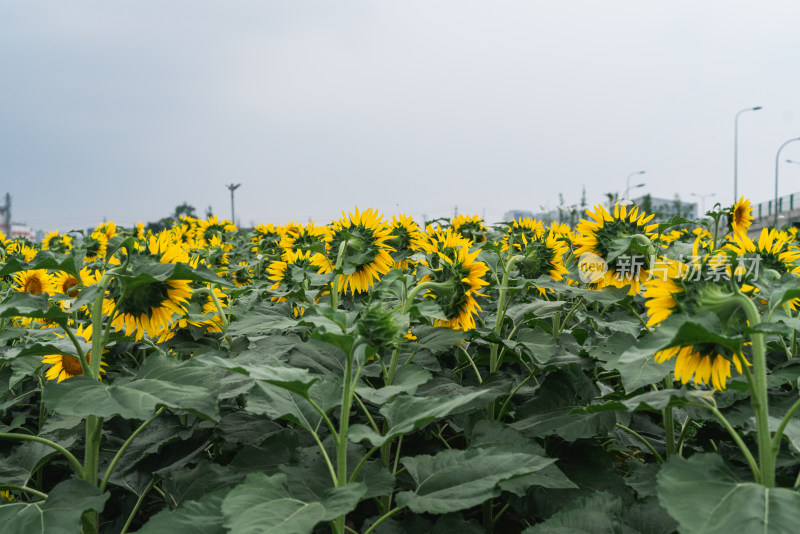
{"type": "Point", "coordinates": [233, 188]}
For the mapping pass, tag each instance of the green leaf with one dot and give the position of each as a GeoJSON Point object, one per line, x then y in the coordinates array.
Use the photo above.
{"type": "Point", "coordinates": [59, 514]}
{"type": "Point", "coordinates": [264, 369]}
{"type": "Point", "coordinates": [185, 386]}
{"type": "Point", "coordinates": [27, 305]}
{"type": "Point", "coordinates": [438, 338]}
{"type": "Point", "coordinates": [278, 403]}
{"type": "Point", "coordinates": [408, 413]}
{"type": "Point", "coordinates": [406, 380]}
{"type": "Point", "coordinates": [454, 480]}
{"type": "Point", "coordinates": [556, 408]}
{"type": "Point", "coordinates": [598, 513]}
{"type": "Point", "coordinates": [201, 516]}
{"type": "Point", "coordinates": [264, 504]}
{"type": "Point", "coordinates": [704, 496]}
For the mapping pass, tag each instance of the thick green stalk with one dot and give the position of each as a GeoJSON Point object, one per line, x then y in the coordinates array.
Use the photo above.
{"type": "Point", "coordinates": [669, 420]}
{"type": "Point", "coordinates": [758, 393]}
{"type": "Point", "coordinates": [76, 465]}
{"type": "Point", "coordinates": [125, 445]}
{"type": "Point", "coordinates": [501, 301]}
{"type": "Point", "coordinates": [336, 275]}
{"type": "Point", "coordinates": [97, 325]}
{"type": "Point", "coordinates": [348, 388]}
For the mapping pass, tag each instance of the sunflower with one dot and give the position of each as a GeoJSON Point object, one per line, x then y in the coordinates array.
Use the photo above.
{"type": "Point", "coordinates": [774, 250]}
{"type": "Point", "coordinates": [367, 256]}
{"type": "Point", "coordinates": [741, 216]}
{"type": "Point", "coordinates": [544, 255]}
{"type": "Point", "coordinates": [57, 242]}
{"type": "Point", "coordinates": [706, 363]}
{"type": "Point", "coordinates": [285, 273]}
{"type": "Point", "coordinates": [201, 303]}
{"type": "Point", "coordinates": [241, 274]}
{"type": "Point", "coordinates": [471, 227]}
{"type": "Point", "coordinates": [596, 239]}
{"type": "Point", "coordinates": [408, 239]}
{"type": "Point", "coordinates": [266, 239]}
{"type": "Point", "coordinates": [95, 247]}
{"type": "Point", "coordinates": [21, 250]}
{"type": "Point", "coordinates": [450, 261]}
{"type": "Point", "coordinates": [108, 228]}
{"type": "Point", "coordinates": [152, 305]}
{"type": "Point", "coordinates": [299, 237]}
{"type": "Point", "coordinates": [34, 281]}
{"type": "Point", "coordinates": [521, 232]}
{"type": "Point", "coordinates": [211, 227]}
{"type": "Point", "coordinates": [63, 366]}
{"type": "Point", "coordinates": [662, 288]}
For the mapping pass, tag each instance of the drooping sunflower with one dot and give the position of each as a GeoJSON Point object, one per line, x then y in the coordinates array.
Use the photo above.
{"type": "Point", "coordinates": [366, 253]}
{"type": "Point", "coordinates": [57, 242]}
{"type": "Point", "coordinates": [266, 239]}
{"type": "Point", "coordinates": [211, 227]}
{"type": "Point", "coordinates": [63, 366]}
{"type": "Point", "coordinates": [544, 255]}
{"type": "Point", "coordinates": [108, 228]}
{"type": "Point", "coordinates": [521, 232]}
{"type": "Point", "coordinates": [34, 281]}
{"type": "Point", "coordinates": [707, 363]}
{"type": "Point", "coordinates": [289, 273]}
{"type": "Point", "coordinates": [299, 237]}
{"type": "Point", "coordinates": [666, 281]}
{"type": "Point", "coordinates": [241, 274]}
{"type": "Point", "coordinates": [95, 247]}
{"type": "Point", "coordinates": [202, 304]}
{"type": "Point", "coordinates": [773, 250]}
{"type": "Point", "coordinates": [152, 305]}
{"type": "Point", "coordinates": [21, 250]}
{"type": "Point", "coordinates": [741, 216]}
{"type": "Point", "coordinates": [597, 236]}
{"type": "Point", "coordinates": [452, 263]}
{"type": "Point", "coordinates": [408, 239]}
{"type": "Point", "coordinates": [470, 226]}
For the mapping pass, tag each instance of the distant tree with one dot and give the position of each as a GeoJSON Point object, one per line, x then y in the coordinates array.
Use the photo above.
{"type": "Point", "coordinates": [583, 199]}
{"type": "Point", "coordinates": [209, 212]}
{"type": "Point", "coordinates": [613, 198]}
{"type": "Point", "coordinates": [166, 222]}
{"type": "Point", "coordinates": [647, 204]}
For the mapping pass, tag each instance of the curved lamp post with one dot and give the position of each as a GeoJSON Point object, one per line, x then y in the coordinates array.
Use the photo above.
{"type": "Point", "coordinates": [703, 200]}
{"type": "Point", "coordinates": [628, 183]}
{"type": "Point", "coordinates": [736, 151]}
{"type": "Point", "coordinates": [777, 166]}
{"type": "Point", "coordinates": [233, 188]}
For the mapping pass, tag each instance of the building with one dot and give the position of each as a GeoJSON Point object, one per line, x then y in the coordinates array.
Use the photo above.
{"type": "Point", "coordinates": [664, 208]}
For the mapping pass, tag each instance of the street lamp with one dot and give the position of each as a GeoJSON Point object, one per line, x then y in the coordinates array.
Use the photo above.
{"type": "Point", "coordinates": [628, 183]}
{"type": "Point", "coordinates": [703, 200]}
{"type": "Point", "coordinates": [777, 162]}
{"type": "Point", "coordinates": [793, 161]}
{"type": "Point", "coordinates": [736, 151]}
{"type": "Point", "coordinates": [233, 188]}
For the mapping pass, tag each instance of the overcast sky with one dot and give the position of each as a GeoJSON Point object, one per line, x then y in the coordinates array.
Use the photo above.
{"type": "Point", "coordinates": [123, 110]}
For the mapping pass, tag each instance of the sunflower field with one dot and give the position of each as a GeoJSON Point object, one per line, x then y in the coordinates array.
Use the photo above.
{"type": "Point", "coordinates": [373, 376]}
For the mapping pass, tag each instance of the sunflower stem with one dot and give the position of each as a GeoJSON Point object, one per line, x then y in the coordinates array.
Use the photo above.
{"type": "Point", "coordinates": [644, 441]}
{"type": "Point", "coordinates": [668, 418]}
{"type": "Point", "coordinates": [97, 324]}
{"type": "Point", "coordinates": [758, 392]}
{"type": "Point", "coordinates": [124, 447]}
{"type": "Point", "coordinates": [76, 465]}
{"type": "Point", "coordinates": [336, 275]}
{"type": "Point", "coordinates": [138, 504]}
{"type": "Point", "coordinates": [501, 310]}
{"type": "Point", "coordinates": [778, 436]}
{"type": "Point", "coordinates": [81, 355]}
{"type": "Point", "coordinates": [26, 489]}
{"type": "Point", "coordinates": [341, 445]}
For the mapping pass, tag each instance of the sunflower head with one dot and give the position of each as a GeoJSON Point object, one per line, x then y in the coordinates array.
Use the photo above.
{"type": "Point", "coordinates": [460, 276]}
{"type": "Point", "coordinates": [707, 363]}
{"type": "Point", "coordinates": [57, 242]}
{"type": "Point", "coordinates": [544, 255]}
{"type": "Point", "coordinates": [741, 216]}
{"type": "Point", "coordinates": [381, 329]}
{"type": "Point", "coordinates": [604, 233]}
{"type": "Point", "coordinates": [64, 366]}
{"type": "Point", "coordinates": [522, 231]}
{"type": "Point", "coordinates": [34, 281]}
{"type": "Point", "coordinates": [406, 240]}
{"type": "Point", "coordinates": [94, 247]}
{"type": "Point", "coordinates": [471, 227]}
{"type": "Point", "coordinates": [361, 237]}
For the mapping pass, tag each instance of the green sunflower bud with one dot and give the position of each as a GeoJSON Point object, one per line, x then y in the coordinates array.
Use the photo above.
{"type": "Point", "coordinates": [381, 329]}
